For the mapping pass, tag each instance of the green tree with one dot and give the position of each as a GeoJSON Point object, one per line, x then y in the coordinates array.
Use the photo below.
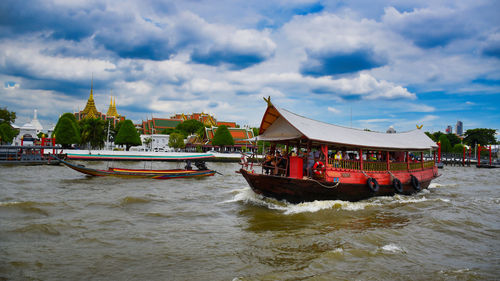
{"type": "Point", "coordinates": [66, 133]}
{"type": "Point", "coordinates": [70, 132]}
{"type": "Point", "coordinates": [176, 140]}
{"type": "Point", "coordinates": [7, 133]}
{"type": "Point", "coordinates": [445, 144]}
{"type": "Point", "coordinates": [222, 137]}
{"type": "Point", "coordinates": [92, 132]}
{"type": "Point", "coordinates": [71, 117]}
{"type": "Point", "coordinates": [437, 135]}
{"type": "Point", "coordinates": [480, 136]}
{"type": "Point", "coordinates": [127, 135]}
{"type": "Point", "coordinates": [190, 126]}
{"type": "Point", "coordinates": [458, 148]}
{"type": "Point", "coordinates": [454, 139]}
{"type": "Point", "coordinates": [7, 116]}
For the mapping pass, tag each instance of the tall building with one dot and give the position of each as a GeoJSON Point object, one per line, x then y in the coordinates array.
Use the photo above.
{"type": "Point", "coordinates": [449, 129]}
{"type": "Point", "coordinates": [459, 128]}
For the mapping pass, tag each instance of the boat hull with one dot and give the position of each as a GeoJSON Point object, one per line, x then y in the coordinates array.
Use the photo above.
{"type": "Point", "coordinates": [308, 190]}
{"type": "Point", "coordinates": [140, 173]}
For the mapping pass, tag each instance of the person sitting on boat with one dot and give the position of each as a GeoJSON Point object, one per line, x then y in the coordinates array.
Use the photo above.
{"type": "Point", "coordinates": [338, 158]}
{"type": "Point", "coordinates": [280, 164]}
{"type": "Point", "coordinates": [268, 162]}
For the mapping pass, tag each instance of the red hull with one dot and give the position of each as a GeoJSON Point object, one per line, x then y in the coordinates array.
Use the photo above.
{"type": "Point", "coordinates": [352, 187]}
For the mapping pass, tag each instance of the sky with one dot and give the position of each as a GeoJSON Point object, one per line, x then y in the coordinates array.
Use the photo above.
{"type": "Point", "coordinates": [361, 64]}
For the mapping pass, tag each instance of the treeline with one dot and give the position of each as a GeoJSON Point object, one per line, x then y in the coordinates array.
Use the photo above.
{"type": "Point", "coordinates": [472, 137]}
{"type": "Point", "coordinates": [92, 133]}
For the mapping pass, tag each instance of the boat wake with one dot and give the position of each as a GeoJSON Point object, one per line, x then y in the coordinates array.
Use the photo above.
{"type": "Point", "coordinates": [247, 196]}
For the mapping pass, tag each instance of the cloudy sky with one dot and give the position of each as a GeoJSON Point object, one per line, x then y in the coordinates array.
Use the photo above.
{"type": "Point", "coordinates": [365, 64]}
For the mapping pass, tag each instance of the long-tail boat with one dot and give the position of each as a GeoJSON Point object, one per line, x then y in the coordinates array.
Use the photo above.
{"type": "Point", "coordinates": [366, 164]}
{"type": "Point", "coordinates": [187, 172]}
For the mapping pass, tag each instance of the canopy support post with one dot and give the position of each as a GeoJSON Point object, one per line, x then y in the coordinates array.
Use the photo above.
{"type": "Point", "coordinates": [407, 161]}
{"type": "Point", "coordinates": [388, 161]}
{"type": "Point", "coordinates": [361, 159]}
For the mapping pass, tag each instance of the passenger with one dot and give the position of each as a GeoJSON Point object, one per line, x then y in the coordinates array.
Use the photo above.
{"type": "Point", "coordinates": [268, 162]}
{"type": "Point", "coordinates": [310, 163]}
{"type": "Point", "coordinates": [338, 158]}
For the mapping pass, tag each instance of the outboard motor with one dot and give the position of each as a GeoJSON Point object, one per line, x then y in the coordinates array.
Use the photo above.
{"type": "Point", "coordinates": [200, 165]}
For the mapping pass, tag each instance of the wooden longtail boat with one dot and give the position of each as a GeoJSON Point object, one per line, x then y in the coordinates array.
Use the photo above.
{"type": "Point", "coordinates": [202, 171]}
{"type": "Point", "coordinates": [392, 166]}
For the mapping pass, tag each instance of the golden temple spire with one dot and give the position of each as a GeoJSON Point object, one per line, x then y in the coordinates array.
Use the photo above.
{"type": "Point", "coordinates": [90, 111]}
{"type": "Point", "coordinates": [112, 108]}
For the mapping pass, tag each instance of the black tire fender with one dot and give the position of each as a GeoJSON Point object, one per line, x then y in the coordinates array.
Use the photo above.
{"type": "Point", "coordinates": [372, 184]}
{"type": "Point", "coordinates": [415, 183]}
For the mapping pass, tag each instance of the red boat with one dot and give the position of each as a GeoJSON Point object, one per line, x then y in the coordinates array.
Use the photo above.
{"type": "Point", "coordinates": [365, 164]}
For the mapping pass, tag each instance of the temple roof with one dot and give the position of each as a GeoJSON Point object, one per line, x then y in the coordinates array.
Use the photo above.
{"type": "Point", "coordinates": [112, 108]}
{"type": "Point", "coordinates": [90, 111]}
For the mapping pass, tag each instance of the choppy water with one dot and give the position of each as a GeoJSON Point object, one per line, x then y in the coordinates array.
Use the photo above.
{"type": "Point", "coordinates": [56, 224]}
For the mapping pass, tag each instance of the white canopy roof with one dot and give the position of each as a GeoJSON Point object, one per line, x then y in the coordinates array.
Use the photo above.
{"type": "Point", "coordinates": [280, 124]}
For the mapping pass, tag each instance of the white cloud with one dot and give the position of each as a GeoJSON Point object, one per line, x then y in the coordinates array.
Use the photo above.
{"type": "Point", "coordinates": [333, 110]}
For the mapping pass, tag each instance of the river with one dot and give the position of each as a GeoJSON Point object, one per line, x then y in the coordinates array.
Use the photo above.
{"type": "Point", "coordinates": [57, 224]}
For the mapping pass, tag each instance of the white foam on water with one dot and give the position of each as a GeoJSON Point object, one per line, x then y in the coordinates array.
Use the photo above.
{"type": "Point", "coordinates": [392, 248]}
{"type": "Point", "coordinates": [338, 251]}
{"type": "Point", "coordinates": [434, 185]}
{"type": "Point", "coordinates": [246, 195]}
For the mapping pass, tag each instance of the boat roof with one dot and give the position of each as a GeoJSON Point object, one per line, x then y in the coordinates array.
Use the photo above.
{"type": "Point", "coordinates": [279, 124]}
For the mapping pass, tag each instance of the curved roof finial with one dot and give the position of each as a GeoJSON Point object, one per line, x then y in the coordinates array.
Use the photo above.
{"type": "Point", "coordinates": [268, 100]}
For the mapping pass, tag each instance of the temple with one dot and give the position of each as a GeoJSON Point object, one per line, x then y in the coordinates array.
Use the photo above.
{"type": "Point", "coordinates": [90, 110]}
{"type": "Point", "coordinates": [157, 125]}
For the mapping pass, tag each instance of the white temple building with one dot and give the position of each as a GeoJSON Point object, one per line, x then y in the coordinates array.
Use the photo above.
{"type": "Point", "coordinates": [29, 131]}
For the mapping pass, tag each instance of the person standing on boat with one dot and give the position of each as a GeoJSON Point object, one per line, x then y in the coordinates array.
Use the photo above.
{"type": "Point", "coordinates": [310, 163]}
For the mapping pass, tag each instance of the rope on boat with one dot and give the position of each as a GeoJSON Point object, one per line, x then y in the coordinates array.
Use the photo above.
{"type": "Point", "coordinates": [326, 186]}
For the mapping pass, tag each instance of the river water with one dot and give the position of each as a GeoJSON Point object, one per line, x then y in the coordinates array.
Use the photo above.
{"type": "Point", "coordinates": [57, 224]}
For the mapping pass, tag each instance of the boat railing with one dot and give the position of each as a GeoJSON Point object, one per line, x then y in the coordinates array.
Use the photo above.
{"type": "Point", "coordinates": [379, 165]}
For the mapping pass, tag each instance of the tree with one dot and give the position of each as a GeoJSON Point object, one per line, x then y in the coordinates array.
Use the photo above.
{"type": "Point", "coordinates": [454, 139]}
{"type": "Point", "coordinates": [222, 137]}
{"type": "Point", "coordinates": [458, 148]}
{"type": "Point", "coordinates": [71, 117]}
{"type": "Point", "coordinates": [127, 135]}
{"type": "Point", "coordinates": [67, 132]}
{"type": "Point", "coordinates": [6, 116]}
{"type": "Point", "coordinates": [92, 132]}
{"type": "Point", "coordinates": [190, 126]}
{"type": "Point", "coordinates": [445, 144]}
{"type": "Point", "coordinates": [7, 133]}
{"type": "Point", "coordinates": [480, 136]}
{"type": "Point", "coordinates": [176, 140]}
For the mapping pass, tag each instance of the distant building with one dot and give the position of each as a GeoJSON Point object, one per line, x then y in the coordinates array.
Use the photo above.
{"type": "Point", "coordinates": [157, 125]}
{"type": "Point", "coordinates": [459, 128]}
{"type": "Point", "coordinates": [449, 129]}
{"type": "Point", "coordinates": [90, 111]}
{"type": "Point", "coordinates": [28, 132]}
{"type": "Point", "coordinates": [391, 130]}
{"type": "Point", "coordinates": [240, 137]}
